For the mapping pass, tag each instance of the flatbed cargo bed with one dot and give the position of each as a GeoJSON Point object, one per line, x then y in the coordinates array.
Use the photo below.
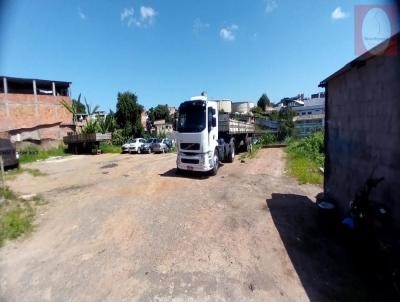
{"type": "Point", "coordinates": [229, 124]}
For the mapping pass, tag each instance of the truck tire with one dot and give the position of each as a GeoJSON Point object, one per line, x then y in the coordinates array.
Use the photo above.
{"type": "Point", "coordinates": [214, 170]}
{"type": "Point", "coordinates": [231, 154]}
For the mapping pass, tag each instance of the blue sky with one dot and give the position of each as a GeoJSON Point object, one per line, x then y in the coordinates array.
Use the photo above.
{"type": "Point", "coordinates": [169, 50]}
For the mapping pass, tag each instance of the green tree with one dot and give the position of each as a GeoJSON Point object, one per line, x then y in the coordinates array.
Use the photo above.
{"type": "Point", "coordinates": [263, 102]}
{"type": "Point", "coordinates": [107, 124]}
{"type": "Point", "coordinates": [287, 127]}
{"type": "Point", "coordinates": [160, 112]}
{"type": "Point", "coordinates": [257, 111]}
{"type": "Point", "coordinates": [128, 114]}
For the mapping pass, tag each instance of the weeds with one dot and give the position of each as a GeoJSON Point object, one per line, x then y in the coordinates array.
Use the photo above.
{"type": "Point", "coordinates": [39, 200]}
{"type": "Point", "coordinates": [7, 194]}
{"type": "Point", "coordinates": [109, 148]}
{"type": "Point", "coordinates": [12, 174]}
{"type": "Point", "coordinates": [14, 221]}
{"type": "Point", "coordinates": [33, 153]}
{"type": "Point", "coordinates": [305, 157]}
{"type": "Point", "coordinates": [250, 154]}
{"type": "Point", "coordinates": [16, 215]}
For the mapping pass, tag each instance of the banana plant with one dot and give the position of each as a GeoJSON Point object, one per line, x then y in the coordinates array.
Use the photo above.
{"type": "Point", "coordinates": [73, 109]}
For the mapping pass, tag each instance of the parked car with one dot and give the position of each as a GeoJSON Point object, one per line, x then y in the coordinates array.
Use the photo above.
{"type": "Point", "coordinates": [160, 146]}
{"type": "Point", "coordinates": [8, 153]}
{"type": "Point", "coordinates": [169, 143]}
{"type": "Point", "coordinates": [147, 147]}
{"type": "Point", "coordinates": [133, 145]}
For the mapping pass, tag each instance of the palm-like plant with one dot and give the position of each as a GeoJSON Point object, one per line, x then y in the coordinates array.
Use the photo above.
{"type": "Point", "coordinates": [73, 109]}
{"type": "Point", "coordinates": [89, 109]}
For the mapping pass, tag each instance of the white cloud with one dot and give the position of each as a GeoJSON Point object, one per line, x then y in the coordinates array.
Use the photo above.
{"type": "Point", "coordinates": [81, 14]}
{"type": "Point", "coordinates": [127, 13]}
{"type": "Point", "coordinates": [198, 26]}
{"type": "Point", "coordinates": [228, 33]}
{"type": "Point", "coordinates": [339, 13]}
{"type": "Point", "coordinates": [147, 15]}
{"type": "Point", "coordinates": [147, 12]}
{"type": "Point", "coordinates": [270, 5]}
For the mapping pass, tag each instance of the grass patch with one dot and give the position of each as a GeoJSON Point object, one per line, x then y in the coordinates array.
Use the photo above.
{"type": "Point", "coordinates": [33, 153]}
{"type": "Point", "coordinates": [7, 194]}
{"type": "Point", "coordinates": [15, 221]}
{"type": "Point", "coordinates": [250, 154]}
{"type": "Point", "coordinates": [16, 216]}
{"type": "Point", "coordinates": [108, 148]}
{"type": "Point", "coordinates": [34, 172]}
{"type": "Point", "coordinates": [305, 157]}
{"type": "Point", "coordinates": [12, 174]}
{"type": "Point", "coordinates": [39, 200]}
{"type": "Point", "coordinates": [305, 170]}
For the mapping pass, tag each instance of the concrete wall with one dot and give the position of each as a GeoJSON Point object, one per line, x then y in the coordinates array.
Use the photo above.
{"type": "Point", "coordinates": [30, 117]}
{"type": "Point", "coordinates": [363, 132]}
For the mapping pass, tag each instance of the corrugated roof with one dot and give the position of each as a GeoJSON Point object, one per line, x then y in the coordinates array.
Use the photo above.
{"type": "Point", "coordinates": [15, 79]}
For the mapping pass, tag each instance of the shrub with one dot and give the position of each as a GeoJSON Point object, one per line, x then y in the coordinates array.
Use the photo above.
{"type": "Point", "coordinates": [306, 156]}
{"type": "Point", "coordinates": [311, 147]}
{"type": "Point", "coordinates": [268, 138]}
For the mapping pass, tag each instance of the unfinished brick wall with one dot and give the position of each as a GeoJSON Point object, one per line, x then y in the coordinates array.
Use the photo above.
{"type": "Point", "coordinates": [34, 117]}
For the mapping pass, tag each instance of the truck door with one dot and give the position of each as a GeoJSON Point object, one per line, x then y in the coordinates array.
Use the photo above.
{"type": "Point", "coordinates": [212, 128]}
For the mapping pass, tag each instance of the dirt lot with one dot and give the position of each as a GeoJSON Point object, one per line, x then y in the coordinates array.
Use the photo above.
{"type": "Point", "coordinates": [127, 228]}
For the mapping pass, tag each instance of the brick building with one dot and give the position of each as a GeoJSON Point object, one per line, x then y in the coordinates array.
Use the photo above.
{"type": "Point", "coordinates": [30, 111]}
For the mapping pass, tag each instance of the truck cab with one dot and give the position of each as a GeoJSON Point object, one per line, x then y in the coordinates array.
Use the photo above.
{"type": "Point", "coordinates": [197, 135]}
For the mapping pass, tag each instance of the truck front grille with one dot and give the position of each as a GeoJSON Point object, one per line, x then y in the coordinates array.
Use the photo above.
{"type": "Point", "coordinates": [190, 161]}
{"type": "Point", "coordinates": [190, 146]}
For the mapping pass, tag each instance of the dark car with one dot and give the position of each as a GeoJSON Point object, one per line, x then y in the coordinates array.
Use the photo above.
{"type": "Point", "coordinates": [8, 153]}
{"type": "Point", "coordinates": [169, 143]}
{"type": "Point", "coordinates": [147, 147]}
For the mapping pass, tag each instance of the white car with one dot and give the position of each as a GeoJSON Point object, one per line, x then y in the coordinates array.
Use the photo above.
{"type": "Point", "coordinates": [133, 145]}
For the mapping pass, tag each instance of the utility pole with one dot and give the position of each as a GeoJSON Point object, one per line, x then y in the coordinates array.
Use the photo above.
{"type": "Point", "coordinates": [3, 180]}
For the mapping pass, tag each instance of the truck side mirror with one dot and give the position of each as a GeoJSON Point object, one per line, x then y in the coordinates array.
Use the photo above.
{"type": "Point", "coordinates": [214, 121]}
{"type": "Point", "coordinates": [213, 111]}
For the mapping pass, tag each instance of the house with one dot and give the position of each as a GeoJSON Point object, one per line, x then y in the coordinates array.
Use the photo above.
{"type": "Point", "coordinates": [172, 111]}
{"type": "Point", "coordinates": [362, 128]}
{"type": "Point", "coordinates": [162, 127]}
{"type": "Point", "coordinates": [30, 110]}
{"type": "Point", "coordinates": [143, 119]}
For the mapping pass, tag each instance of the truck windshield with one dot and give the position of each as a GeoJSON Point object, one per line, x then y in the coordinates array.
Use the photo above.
{"type": "Point", "coordinates": [192, 117]}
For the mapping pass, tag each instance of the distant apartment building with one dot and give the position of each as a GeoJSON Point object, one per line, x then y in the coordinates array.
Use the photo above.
{"type": "Point", "coordinates": [311, 115]}
{"type": "Point", "coordinates": [30, 110]}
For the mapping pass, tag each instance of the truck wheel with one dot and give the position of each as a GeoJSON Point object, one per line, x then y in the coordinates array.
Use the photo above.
{"type": "Point", "coordinates": [231, 154]}
{"type": "Point", "coordinates": [216, 163]}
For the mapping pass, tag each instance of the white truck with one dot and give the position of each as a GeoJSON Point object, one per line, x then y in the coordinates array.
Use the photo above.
{"type": "Point", "coordinates": [206, 137]}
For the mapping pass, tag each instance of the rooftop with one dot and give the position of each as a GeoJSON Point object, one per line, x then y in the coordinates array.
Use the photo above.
{"type": "Point", "coordinates": [385, 48]}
